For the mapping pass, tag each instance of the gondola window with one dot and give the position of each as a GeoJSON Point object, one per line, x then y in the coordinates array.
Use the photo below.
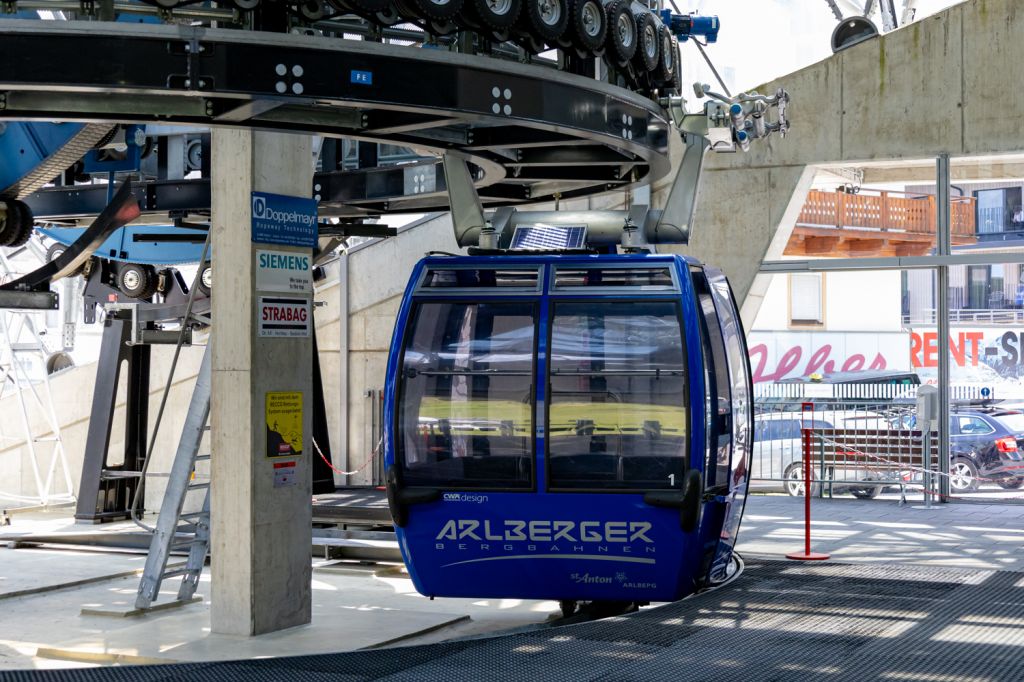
{"type": "Point", "coordinates": [465, 407]}
{"type": "Point", "coordinates": [618, 405]}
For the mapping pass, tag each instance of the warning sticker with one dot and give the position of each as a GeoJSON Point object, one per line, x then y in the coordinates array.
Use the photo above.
{"type": "Point", "coordinates": [279, 316]}
{"type": "Point", "coordinates": [284, 424]}
{"type": "Point", "coordinates": [284, 474]}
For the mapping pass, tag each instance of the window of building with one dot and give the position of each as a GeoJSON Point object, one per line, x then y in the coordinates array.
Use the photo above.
{"type": "Point", "coordinates": [806, 299]}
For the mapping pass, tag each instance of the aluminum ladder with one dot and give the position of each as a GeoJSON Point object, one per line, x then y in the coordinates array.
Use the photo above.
{"type": "Point", "coordinates": [176, 530]}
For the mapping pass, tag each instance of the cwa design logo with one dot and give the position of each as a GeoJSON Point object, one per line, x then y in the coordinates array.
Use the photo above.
{"type": "Point", "coordinates": [463, 497]}
{"type": "Point", "coordinates": [259, 207]}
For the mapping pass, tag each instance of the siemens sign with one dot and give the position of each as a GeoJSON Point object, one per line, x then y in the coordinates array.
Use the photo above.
{"type": "Point", "coordinates": [280, 219]}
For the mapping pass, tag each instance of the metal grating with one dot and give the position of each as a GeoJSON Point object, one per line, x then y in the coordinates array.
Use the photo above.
{"type": "Point", "coordinates": [780, 621]}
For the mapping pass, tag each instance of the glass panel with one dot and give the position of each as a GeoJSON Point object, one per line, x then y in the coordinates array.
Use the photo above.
{"type": "Point", "coordinates": [739, 374]}
{"type": "Point", "coordinates": [618, 397]}
{"type": "Point", "coordinates": [465, 404]}
{"type": "Point", "coordinates": [617, 277]}
{"type": "Point", "coordinates": [717, 471]}
{"type": "Point", "coordinates": [473, 278]}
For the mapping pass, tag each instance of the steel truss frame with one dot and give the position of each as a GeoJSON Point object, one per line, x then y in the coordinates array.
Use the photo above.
{"type": "Point", "coordinates": [532, 133]}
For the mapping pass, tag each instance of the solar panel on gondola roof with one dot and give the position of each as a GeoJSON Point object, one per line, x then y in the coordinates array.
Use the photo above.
{"type": "Point", "coordinates": [549, 237]}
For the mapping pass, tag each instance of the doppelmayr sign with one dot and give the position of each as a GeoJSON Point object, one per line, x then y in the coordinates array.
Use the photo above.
{"type": "Point", "coordinates": [281, 219]}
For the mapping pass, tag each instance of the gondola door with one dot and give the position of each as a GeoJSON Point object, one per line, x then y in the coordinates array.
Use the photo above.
{"type": "Point", "coordinates": [731, 422]}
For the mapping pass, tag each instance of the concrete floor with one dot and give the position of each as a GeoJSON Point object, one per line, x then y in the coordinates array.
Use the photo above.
{"type": "Point", "coordinates": [43, 591]}
{"type": "Point", "coordinates": [955, 534]}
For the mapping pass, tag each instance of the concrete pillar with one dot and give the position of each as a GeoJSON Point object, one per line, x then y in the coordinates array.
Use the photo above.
{"type": "Point", "coordinates": [260, 529]}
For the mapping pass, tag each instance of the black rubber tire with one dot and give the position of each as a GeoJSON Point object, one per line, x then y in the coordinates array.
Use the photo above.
{"type": "Point", "coordinates": [666, 62]}
{"type": "Point", "coordinates": [245, 5]}
{"type": "Point", "coordinates": [482, 13]}
{"type": "Point", "coordinates": [20, 230]}
{"type": "Point", "coordinates": [360, 7]}
{"type": "Point", "coordinates": [588, 24]}
{"type": "Point", "coordinates": [676, 82]}
{"type": "Point", "coordinates": [972, 472]}
{"type": "Point", "coordinates": [386, 17]}
{"type": "Point", "coordinates": [545, 20]}
{"type": "Point", "coordinates": [58, 362]}
{"type": "Point", "coordinates": [621, 34]}
{"type": "Point", "coordinates": [204, 279]}
{"type": "Point", "coordinates": [137, 281]}
{"type": "Point", "coordinates": [1011, 483]}
{"type": "Point", "coordinates": [311, 10]}
{"type": "Point", "coordinates": [794, 477]}
{"type": "Point", "coordinates": [429, 10]}
{"type": "Point", "coordinates": [10, 225]}
{"type": "Point", "coordinates": [647, 41]}
{"type": "Point", "coordinates": [55, 250]}
{"type": "Point", "coordinates": [869, 492]}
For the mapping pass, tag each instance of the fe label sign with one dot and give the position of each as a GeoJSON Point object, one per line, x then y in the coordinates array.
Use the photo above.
{"type": "Point", "coordinates": [280, 316]}
{"type": "Point", "coordinates": [283, 271]}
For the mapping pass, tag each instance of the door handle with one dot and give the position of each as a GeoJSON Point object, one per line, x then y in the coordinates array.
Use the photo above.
{"type": "Point", "coordinates": [400, 499]}
{"type": "Point", "coordinates": [688, 501]}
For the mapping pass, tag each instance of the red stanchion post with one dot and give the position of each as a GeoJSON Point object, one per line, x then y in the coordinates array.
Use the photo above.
{"type": "Point", "coordinates": [805, 432]}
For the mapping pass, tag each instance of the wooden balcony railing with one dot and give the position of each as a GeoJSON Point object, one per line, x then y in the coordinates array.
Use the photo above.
{"type": "Point", "coordinates": [885, 211]}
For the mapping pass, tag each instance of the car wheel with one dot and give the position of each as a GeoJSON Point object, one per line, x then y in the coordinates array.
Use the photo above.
{"type": "Point", "coordinates": [866, 493]}
{"type": "Point", "coordinates": [1011, 483]}
{"type": "Point", "coordinates": [963, 476]}
{"type": "Point", "coordinates": [794, 480]}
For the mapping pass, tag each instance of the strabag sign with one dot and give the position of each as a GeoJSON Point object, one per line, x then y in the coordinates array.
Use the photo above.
{"type": "Point", "coordinates": [283, 317]}
{"type": "Point", "coordinates": [281, 219]}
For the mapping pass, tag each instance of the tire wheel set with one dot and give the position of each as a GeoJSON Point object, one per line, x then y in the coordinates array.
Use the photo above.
{"type": "Point", "coordinates": [137, 281]}
{"type": "Point", "coordinates": [16, 223]}
{"type": "Point", "coordinates": [55, 251]}
{"type": "Point", "coordinates": [631, 37]}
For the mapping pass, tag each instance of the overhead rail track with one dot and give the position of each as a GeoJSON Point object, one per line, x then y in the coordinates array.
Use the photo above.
{"type": "Point", "coordinates": [531, 133]}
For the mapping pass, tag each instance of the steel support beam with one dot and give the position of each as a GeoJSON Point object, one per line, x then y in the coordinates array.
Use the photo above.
{"type": "Point", "coordinates": [943, 247]}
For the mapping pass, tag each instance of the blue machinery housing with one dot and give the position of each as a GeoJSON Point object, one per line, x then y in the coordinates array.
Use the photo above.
{"type": "Point", "coordinates": [567, 427]}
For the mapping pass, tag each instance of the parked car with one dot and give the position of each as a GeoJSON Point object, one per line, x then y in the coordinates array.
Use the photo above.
{"type": "Point", "coordinates": [984, 442]}
{"type": "Point", "coordinates": [778, 458]}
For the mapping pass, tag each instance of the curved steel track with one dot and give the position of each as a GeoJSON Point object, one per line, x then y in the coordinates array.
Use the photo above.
{"type": "Point", "coordinates": [533, 133]}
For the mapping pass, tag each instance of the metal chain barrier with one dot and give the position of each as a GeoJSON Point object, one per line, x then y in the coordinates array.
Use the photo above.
{"type": "Point", "coordinates": [373, 455]}
{"type": "Point", "coordinates": [904, 467]}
